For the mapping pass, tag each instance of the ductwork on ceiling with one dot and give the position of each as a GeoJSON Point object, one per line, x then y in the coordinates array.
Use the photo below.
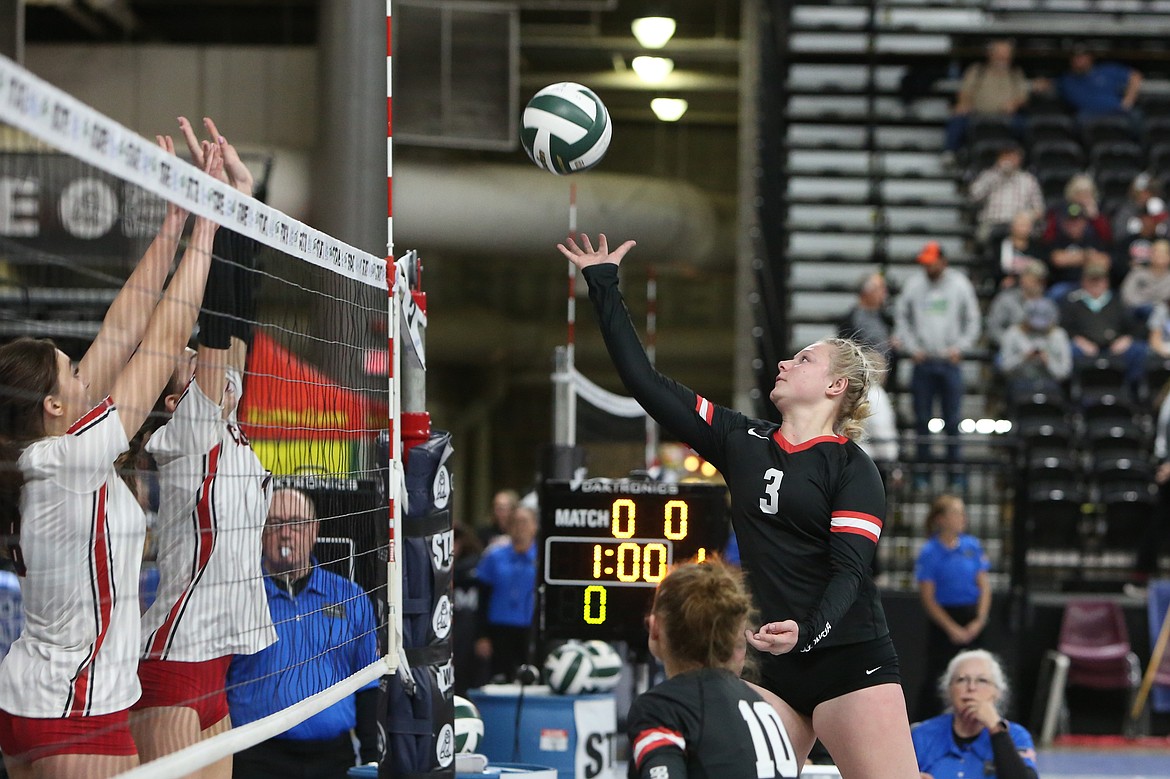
{"type": "Point", "coordinates": [498, 209]}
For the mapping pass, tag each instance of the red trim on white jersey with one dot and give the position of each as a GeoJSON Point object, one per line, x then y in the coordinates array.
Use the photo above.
{"type": "Point", "coordinates": [206, 527]}
{"type": "Point", "coordinates": [856, 522]}
{"type": "Point", "coordinates": [91, 417]}
{"type": "Point", "coordinates": [102, 582]}
{"type": "Point", "coordinates": [704, 408]}
{"type": "Point", "coordinates": [649, 740]}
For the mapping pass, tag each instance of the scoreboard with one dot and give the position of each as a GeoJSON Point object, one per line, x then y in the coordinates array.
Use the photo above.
{"type": "Point", "coordinates": [606, 543]}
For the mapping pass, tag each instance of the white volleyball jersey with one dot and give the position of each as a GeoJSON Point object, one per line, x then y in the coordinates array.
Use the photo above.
{"type": "Point", "coordinates": [213, 503]}
{"type": "Point", "coordinates": [81, 539]}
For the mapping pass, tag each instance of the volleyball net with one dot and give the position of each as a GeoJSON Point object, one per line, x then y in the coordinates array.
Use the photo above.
{"type": "Point", "coordinates": [264, 532]}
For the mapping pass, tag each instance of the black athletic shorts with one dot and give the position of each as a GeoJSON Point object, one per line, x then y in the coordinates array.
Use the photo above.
{"type": "Point", "coordinates": [804, 680]}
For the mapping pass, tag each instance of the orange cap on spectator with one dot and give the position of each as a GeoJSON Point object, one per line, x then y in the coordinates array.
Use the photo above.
{"type": "Point", "coordinates": [931, 253]}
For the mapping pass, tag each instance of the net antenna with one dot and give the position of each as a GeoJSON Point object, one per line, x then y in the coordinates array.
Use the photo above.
{"type": "Point", "coordinates": [50, 116]}
{"type": "Point", "coordinates": [570, 385]}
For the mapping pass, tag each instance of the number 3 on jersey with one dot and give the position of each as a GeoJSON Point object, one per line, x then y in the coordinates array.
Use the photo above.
{"type": "Point", "coordinates": [770, 503]}
{"type": "Point", "coordinates": [774, 754]}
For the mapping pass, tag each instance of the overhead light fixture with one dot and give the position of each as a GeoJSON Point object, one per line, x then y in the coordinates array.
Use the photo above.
{"type": "Point", "coordinates": [653, 70]}
{"type": "Point", "coordinates": [668, 109]}
{"type": "Point", "coordinates": [653, 31]}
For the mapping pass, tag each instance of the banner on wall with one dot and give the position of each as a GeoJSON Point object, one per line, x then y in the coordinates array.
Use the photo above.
{"type": "Point", "coordinates": [297, 418]}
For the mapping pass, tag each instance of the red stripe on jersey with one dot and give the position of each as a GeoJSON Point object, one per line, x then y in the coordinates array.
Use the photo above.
{"type": "Point", "coordinates": [93, 415]}
{"type": "Point", "coordinates": [856, 515]}
{"type": "Point", "coordinates": [205, 534]}
{"type": "Point", "coordinates": [103, 593]}
{"type": "Point", "coordinates": [857, 522]}
{"type": "Point", "coordinates": [704, 408]}
{"type": "Point", "coordinates": [857, 531]}
{"type": "Point", "coordinates": [655, 738]}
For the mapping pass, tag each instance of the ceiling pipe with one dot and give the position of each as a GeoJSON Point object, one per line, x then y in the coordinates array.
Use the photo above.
{"type": "Point", "coordinates": [498, 209]}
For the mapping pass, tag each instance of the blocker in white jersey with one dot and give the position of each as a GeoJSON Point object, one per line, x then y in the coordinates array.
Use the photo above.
{"type": "Point", "coordinates": [213, 504]}
{"type": "Point", "coordinates": [81, 546]}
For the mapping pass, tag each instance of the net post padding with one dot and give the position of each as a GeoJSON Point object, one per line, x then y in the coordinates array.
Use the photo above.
{"type": "Point", "coordinates": [205, 753]}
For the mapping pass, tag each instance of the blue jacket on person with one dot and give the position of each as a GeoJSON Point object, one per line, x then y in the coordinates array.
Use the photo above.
{"type": "Point", "coordinates": [512, 577]}
{"type": "Point", "coordinates": [326, 633]}
{"type": "Point", "coordinates": [953, 571]}
{"type": "Point", "coordinates": [942, 758]}
{"type": "Point", "coordinates": [1097, 92]}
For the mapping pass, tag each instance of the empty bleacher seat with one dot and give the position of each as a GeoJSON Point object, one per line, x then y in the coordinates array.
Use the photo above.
{"type": "Point", "coordinates": [1047, 155]}
{"type": "Point", "coordinates": [1051, 127]}
{"type": "Point", "coordinates": [1117, 155]}
{"type": "Point", "coordinates": [1103, 129]}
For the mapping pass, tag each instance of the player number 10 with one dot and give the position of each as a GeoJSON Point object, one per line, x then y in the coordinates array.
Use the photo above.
{"type": "Point", "coordinates": [674, 519]}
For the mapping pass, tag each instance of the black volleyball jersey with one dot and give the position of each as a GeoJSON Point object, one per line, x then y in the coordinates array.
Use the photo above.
{"type": "Point", "coordinates": [807, 517]}
{"type": "Point", "coordinates": [707, 724]}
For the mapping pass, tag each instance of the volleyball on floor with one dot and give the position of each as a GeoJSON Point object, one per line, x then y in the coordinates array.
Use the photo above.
{"type": "Point", "coordinates": [468, 726]}
{"type": "Point", "coordinates": [607, 665]}
{"type": "Point", "coordinates": [569, 669]}
{"type": "Point", "coordinates": [565, 128]}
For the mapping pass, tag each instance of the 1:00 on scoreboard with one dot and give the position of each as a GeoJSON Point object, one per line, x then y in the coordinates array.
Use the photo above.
{"type": "Point", "coordinates": [633, 562]}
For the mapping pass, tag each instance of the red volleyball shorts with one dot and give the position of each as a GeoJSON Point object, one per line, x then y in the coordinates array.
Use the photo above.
{"type": "Point", "coordinates": [31, 738]}
{"type": "Point", "coordinates": [198, 686]}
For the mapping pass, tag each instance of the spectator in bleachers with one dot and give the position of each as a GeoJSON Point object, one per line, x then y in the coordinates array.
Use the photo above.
{"type": "Point", "coordinates": [1007, 307]}
{"type": "Point", "coordinates": [868, 321]}
{"type": "Point", "coordinates": [937, 319]}
{"type": "Point", "coordinates": [1036, 355]}
{"type": "Point", "coordinates": [1148, 283]}
{"type": "Point", "coordinates": [1080, 190]}
{"type": "Point", "coordinates": [1019, 247]}
{"type": "Point", "coordinates": [1098, 88]}
{"type": "Point", "coordinates": [1100, 325]}
{"type": "Point", "coordinates": [1073, 245]}
{"type": "Point", "coordinates": [1127, 218]}
{"type": "Point", "coordinates": [1137, 249]}
{"type": "Point", "coordinates": [1159, 327]}
{"type": "Point", "coordinates": [1002, 191]}
{"type": "Point", "coordinates": [996, 87]}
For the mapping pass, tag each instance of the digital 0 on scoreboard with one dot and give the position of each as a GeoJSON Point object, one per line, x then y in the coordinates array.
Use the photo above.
{"type": "Point", "coordinates": [606, 543]}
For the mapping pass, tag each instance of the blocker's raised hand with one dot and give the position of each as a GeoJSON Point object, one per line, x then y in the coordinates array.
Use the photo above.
{"type": "Point", "coordinates": [584, 255]}
{"type": "Point", "coordinates": [235, 172]}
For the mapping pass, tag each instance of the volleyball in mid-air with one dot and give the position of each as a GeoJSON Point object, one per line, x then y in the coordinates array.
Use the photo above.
{"type": "Point", "coordinates": [468, 726]}
{"type": "Point", "coordinates": [565, 128]}
{"type": "Point", "coordinates": [569, 669]}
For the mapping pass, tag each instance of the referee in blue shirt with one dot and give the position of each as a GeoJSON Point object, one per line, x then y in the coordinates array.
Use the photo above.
{"type": "Point", "coordinates": [326, 630]}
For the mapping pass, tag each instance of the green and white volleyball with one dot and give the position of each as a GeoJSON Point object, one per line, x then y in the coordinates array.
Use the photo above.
{"type": "Point", "coordinates": [468, 726]}
{"type": "Point", "coordinates": [607, 665]}
{"type": "Point", "coordinates": [565, 128]}
{"type": "Point", "coordinates": [569, 669]}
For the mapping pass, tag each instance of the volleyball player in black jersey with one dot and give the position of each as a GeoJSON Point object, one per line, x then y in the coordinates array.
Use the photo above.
{"type": "Point", "coordinates": [807, 506]}
{"type": "Point", "coordinates": [704, 722]}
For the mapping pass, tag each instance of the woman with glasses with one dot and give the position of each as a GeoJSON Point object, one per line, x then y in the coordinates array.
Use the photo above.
{"type": "Point", "coordinates": [972, 739]}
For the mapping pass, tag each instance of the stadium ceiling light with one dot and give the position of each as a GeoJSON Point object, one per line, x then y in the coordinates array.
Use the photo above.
{"type": "Point", "coordinates": [653, 70]}
{"type": "Point", "coordinates": [653, 32]}
{"type": "Point", "coordinates": [668, 109]}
